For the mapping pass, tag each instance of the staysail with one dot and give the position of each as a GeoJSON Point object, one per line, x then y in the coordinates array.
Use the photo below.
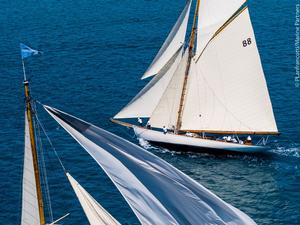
{"type": "Point", "coordinates": [166, 111]}
{"type": "Point", "coordinates": [227, 90]}
{"type": "Point", "coordinates": [144, 103]}
{"type": "Point", "coordinates": [212, 15]}
{"type": "Point", "coordinates": [157, 192]}
{"type": "Point", "coordinates": [30, 208]}
{"type": "Point", "coordinates": [172, 44]}
{"type": "Point", "coordinates": [95, 213]}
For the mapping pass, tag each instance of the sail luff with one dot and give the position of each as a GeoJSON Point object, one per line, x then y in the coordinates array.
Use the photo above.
{"type": "Point", "coordinates": [34, 157]}
{"type": "Point", "coordinates": [174, 41]}
{"type": "Point", "coordinates": [191, 48]}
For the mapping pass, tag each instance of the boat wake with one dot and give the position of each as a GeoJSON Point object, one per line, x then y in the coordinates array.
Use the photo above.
{"type": "Point", "coordinates": [289, 151]}
{"type": "Point", "coordinates": [145, 144]}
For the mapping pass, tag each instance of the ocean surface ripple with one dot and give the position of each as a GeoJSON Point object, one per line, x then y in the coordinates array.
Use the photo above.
{"type": "Point", "coordinates": [94, 53]}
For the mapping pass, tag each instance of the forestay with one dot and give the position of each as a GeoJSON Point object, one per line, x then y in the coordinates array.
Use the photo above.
{"type": "Point", "coordinates": [212, 15]}
{"type": "Point", "coordinates": [30, 208]}
{"type": "Point", "coordinates": [144, 103]}
{"type": "Point", "coordinates": [95, 213]}
{"type": "Point", "coordinates": [227, 90]}
{"type": "Point", "coordinates": [157, 192]}
{"type": "Point", "coordinates": [166, 112]}
{"type": "Point", "coordinates": [174, 41]}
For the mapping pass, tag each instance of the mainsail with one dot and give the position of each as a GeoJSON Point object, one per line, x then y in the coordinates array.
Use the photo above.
{"type": "Point", "coordinates": [227, 90]}
{"type": "Point", "coordinates": [172, 44]}
{"type": "Point", "coordinates": [30, 208]}
{"type": "Point", "coordinates": [166, 111]}
{"type": "Point", "coordinates": [157, 192]}
{"type": "Point", "coordinates": [95, 213]}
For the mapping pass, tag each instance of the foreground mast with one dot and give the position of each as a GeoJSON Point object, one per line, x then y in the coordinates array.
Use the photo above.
{"type": "Point", "coordinates": [32, 199]}
{"type": "Point", "coordinates": [34, 152]}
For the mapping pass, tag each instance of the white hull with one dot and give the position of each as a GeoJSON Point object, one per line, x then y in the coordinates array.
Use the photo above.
{"type": "Point", "coordinates": [192, 142]}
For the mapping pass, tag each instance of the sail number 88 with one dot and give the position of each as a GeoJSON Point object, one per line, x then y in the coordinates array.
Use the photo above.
{"type": "Point", "coordinates": [247, 42]}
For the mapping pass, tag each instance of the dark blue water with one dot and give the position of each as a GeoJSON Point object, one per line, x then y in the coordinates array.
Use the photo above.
{"type": "Point", "coordinates": [94, 53]}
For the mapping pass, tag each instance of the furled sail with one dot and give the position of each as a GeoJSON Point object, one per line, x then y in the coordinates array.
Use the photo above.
{"type": "Point", "coordinates": [227, 90]}
{"type": "Point", "coordinates": [30, 208]}
{"type": "Point", "coordinates": [212, 15]}
{"type": "Point", "coordinates": [174, 41]}
{"type": "Point", "coordinates": [95, 213]}
{"type": "Point", "coordinates": [144, 103]}
{"type": "Point", "coordinates": [157, 192]}
{"type": "Point", "coordinates": [166, 112]}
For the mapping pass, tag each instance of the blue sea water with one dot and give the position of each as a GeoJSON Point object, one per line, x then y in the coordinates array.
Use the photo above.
{"type": "Point", "coordinates": [94, 52]}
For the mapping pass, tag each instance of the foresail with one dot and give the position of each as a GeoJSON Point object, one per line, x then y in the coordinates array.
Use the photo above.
{"type": "Point", "coordinates": [212, 15]}
{"type": "Point", "coordinates": [174, 41]}
{"type": "Point", "coordinates": [30, 208]}
{"type": "Point", "coordinates": [227, 90]}
{"type": "Point", "coordinates": [95, 213]}
{"type": "Point", "coordinates": [157, 192]}
{"type": "Point", "coordinates": [166, 112]}
{"type": "Point", "coordinates": [144, 103]}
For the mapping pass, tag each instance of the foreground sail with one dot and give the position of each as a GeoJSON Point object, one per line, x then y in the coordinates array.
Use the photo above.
{"type": "Point", "coordinates": [30, 206]}
{"type": "Point", "coordinates": [95, 213]}
{"type": "Point", "coordinates": [157, 192]}
{"type": "Point", "coordinates": [217, 96]}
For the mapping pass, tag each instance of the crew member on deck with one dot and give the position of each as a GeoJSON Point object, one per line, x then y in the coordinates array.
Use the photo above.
{"type": "Point", "coordinates": [173, 129]}
{"type": "Point", "coordinates": [148, 125]}
{"type": "Point", "coordinates": [140, 121]}
{"type": "Point", "coordinates": [165, 130]}
{"type": "Point", "coordinates": [248, 140]}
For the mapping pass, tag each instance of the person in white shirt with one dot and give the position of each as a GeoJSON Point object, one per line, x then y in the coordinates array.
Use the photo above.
{"type": "Point", "coordinates": [140, 121]}
{"type": "Point", "coordinates": [165, 130]}
{"type": "Point", "coordinates": [248, 140]}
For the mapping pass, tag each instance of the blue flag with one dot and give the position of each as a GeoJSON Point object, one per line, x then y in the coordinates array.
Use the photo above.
{"type": "Point", "coordinates": [27, 51]}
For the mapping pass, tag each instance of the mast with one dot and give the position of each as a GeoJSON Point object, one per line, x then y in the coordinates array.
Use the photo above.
{"type": "Point", "coordinates": [29, 113]}
{"type": "Point", "coordinates": [191, 48]}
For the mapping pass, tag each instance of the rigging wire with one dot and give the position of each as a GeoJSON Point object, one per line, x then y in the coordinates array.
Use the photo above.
{"type": "Point", "coordinates": [43, 167]}
{"type": "Point", "coordinates": [221, 102]}
{"type": "Point", "coordinates": [50, 142]}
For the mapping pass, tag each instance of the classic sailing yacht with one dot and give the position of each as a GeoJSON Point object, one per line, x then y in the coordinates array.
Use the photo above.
{"type": "Point", "coordinates": [211, 94]}
{"type": "Point", "coordinates": [33, 207]}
